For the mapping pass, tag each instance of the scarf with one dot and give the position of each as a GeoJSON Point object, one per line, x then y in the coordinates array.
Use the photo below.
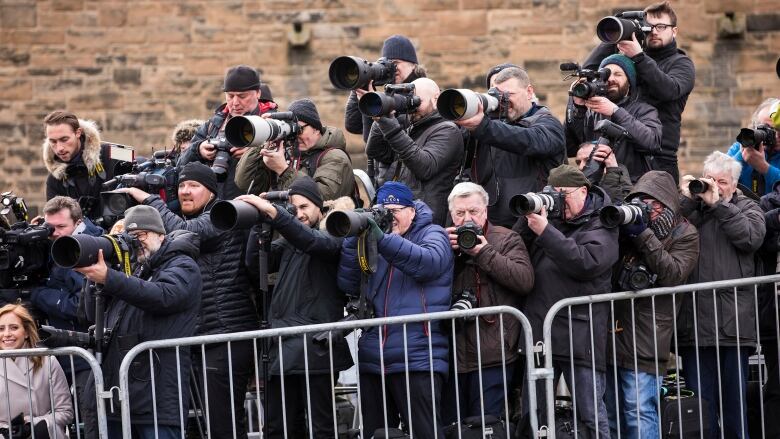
{"type": "Point", "coordinates": [663, 224]}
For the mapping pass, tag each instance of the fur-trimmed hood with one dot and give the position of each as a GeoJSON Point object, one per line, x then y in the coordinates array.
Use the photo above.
{"type": "Point", "coordinates": [90, 151]}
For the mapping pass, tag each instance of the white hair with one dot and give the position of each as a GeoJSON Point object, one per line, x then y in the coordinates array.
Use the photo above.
{"type": "Point", "coordinates": [718, 162]}
{"type": "Point", "coordinates": [466, 189]}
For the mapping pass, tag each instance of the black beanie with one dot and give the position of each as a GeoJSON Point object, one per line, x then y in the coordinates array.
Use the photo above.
{"type": "Point", "coordinates": [495, 69]}
{"type": "Point", "coordinates": [399, 47]}
{"type": "Point", "coordinates": [308, 188]}
{"type": "Point", "coordinates": [197, 171]}
{"type": "Point", "coordinates": [306, 111]}
{"type": "Point", "coordinates": [241, 78]}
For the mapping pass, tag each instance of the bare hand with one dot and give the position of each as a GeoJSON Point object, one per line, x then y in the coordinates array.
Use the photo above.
{"type": "Point", "coordinates": [274, 159]}
{"type": "Point", "coordinates": [711, 196]}
{"type": "Point", "coordinates": [756, 158]}
{"type": "Point", "coordinates": [630, 48]}
{"type": "Point", "coordinates": [138, 195]}
{"type": "Point", "coordinates": [360, 92]}
{"type": "Point", "coordinates": [537, 222]}
{"type": "Point", "coordinates": [207, 151]}
{"type": "Point", "coordinates": [474, 251]}
{"type": "Point", "coordinates": [601, 105]}
{"type": "Point", "coordinates": [685, 180]}
{"type": "Point", "coordinates": [96, 272]}
{"type": "Point", "coordinates": [237, 152]}
{"type": "Point", "coordinates": [261, 204]}
{"type": "Point", "coordinates": [474, 121]}
{"type": "Point", "coordinates": [453, 238]}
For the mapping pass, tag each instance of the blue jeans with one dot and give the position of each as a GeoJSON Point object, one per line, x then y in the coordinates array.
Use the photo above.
{"type": "Point", "coordinates": [143, 431]}
{"type": "Point", "coordinates": [732, 386]}
{"type": "Point", "coordinates": [645, 396]}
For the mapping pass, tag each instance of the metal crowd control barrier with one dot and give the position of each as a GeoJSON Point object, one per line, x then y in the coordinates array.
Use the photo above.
{"type": "Point", "coordinates": [285, 335]}
{"type": "Point", "coordinates": [49, 366]}
{"type": "Point", "coordinates": [751, 302]}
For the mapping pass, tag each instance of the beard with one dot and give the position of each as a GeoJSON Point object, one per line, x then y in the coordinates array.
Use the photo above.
{"type": "Point", "coordinates": [617, 94]}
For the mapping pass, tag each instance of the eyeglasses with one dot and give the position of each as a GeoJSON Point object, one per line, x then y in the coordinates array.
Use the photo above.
{"type": "Point", "coordinates": [660, 27]}
{"type": "Point", "coordinates": [396, 210]}
{"type": "Point", "coordinates": [140, 235]}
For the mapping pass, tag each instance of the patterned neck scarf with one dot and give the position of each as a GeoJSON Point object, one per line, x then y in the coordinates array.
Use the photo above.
{"type": "Point", "coordinates": [663, 224]}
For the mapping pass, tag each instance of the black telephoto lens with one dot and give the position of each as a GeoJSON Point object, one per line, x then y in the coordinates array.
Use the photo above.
{"type": "Point", "coordinates": [80, 250]}
{"type": "Point", "coordinates": [698, 187]}
{"type": "Point", "coordinates": [234, 214]}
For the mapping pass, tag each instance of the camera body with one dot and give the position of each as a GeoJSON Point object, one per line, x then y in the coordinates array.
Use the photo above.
{"type": "Point", "coordinates": [351, 223]}
{"type": "Point", "coordinates": [468, 235]}
{"type": "Point", "coordinates": [24, 254]}
{"type": "Point", "coordinates": [609, 134]}
{"type": "Point", "coordinates": [352, 72]}
{"type": "Point", "coordinates": [553, 201]}
{"type": "Point", "coordinates": [464, 300]}
{"type": "Point", "coordinates": [635, 277]}
{"type": "Point", "coordinates": [595, 83]}
{"type": "Point", "coordinates": [626, 213]}
{"type": "Point", "coordinates": [12, 203]}
{"type": "Point", "coordinates": [622, 26]}
{"type": "Point", "coordinates": [763, 133]}
{"type": "Point", "coordinates": [397, 97]}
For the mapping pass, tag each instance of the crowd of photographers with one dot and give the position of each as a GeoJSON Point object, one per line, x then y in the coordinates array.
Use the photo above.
{"type": "Point", "coordinates": [475, 206]}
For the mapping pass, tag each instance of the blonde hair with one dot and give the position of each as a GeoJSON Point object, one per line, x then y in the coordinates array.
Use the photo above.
{"type": "Point", "coordinates": [30, 328]}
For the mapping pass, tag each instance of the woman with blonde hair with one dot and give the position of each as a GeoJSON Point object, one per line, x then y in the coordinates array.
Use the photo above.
{"type": "Point", "coordinates": [35, 387]}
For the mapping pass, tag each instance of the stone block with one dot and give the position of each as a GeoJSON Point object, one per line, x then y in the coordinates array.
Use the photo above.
{"type": "Point", "coordinates": [127, 76]}
{"type": "Point", "coordinates": [112, 15]}
{"type": "Point", "coordinates": [13, 89]}
{"type": "Point", "coordinates": [763, 22]}
{"type": "Point", "coordinates": [18, 14]}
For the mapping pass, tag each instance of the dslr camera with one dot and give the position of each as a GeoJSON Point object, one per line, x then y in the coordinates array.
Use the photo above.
{"type": "Point", "coordinates": [351, 223]}
{"type": "Point", "coordinates": [351, 72]}
{"type": "Point", "coordinates": [762, 134]}
{"type": "Point", "coordinates": [622, 214]}
{"type": "Point", "coordinates": [635, 277]}
{"type": "Point", "coordinates": [609, 133]}
{"type": "Point", "coordinates": [595, 83]}
{"type": "Point", "coordinates": [549, 199]}
{"type": "Point", "coordinates": [240, 215]}
{"type": "Point", "coordinates": [464, 300]}
{"type": "Point", "coordinates": [622, 26]}
{"type": "Point", "coordinates": [461, 103]}
{"type": "Point", "coordinates": [468, 235]}
{"type": "Point", "coordinates": [397, 97]}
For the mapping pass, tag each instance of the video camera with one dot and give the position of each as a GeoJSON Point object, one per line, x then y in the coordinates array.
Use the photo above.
{"type": "Point", "coordinates": [351, 72]}
{"type": "Point", "coordinates": [552, 200]}
{"type": "Point", "coordinates": [158, 175]}
{"type": "Point", "coordinates": [609, 133]}
{"type": "Point", "coordinates": [24, 254]}
{"type": "Point", "coordinates": [397, 97]}
{"type": "Point", "coordinates": [461, 103]}
{"type": "Point", "coordinates": [627, 213]}
{"type": "Point", "coordinates": [762, 134]}
{"type": "Point", "coordinates": [81, 250]}
{"type": "Point", "coordinates": [595, 83]}
{"type": "Point", "coordinates": [342, 223]}
{"type": "Point", "coordinates": [11, 203]}
{"type": "Point", "coordinates": [622, 26]}
{"type": "Point", "coordinates": [240, 215]}
{"type": "Point", "coordinates": [254, 131]}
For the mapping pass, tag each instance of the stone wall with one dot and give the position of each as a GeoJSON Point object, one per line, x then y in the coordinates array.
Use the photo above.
{"type": "Point", "coordinates": [139, 67]}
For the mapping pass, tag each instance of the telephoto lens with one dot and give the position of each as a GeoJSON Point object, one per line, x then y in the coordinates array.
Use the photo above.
{"type": "Point", "coordinates": [614, 29]}
{"type": "Point", "coordinates": [620, 215]}
{"type": "Point", "coordinates": [698, 187]}
{"type": "Point", "coordinates": [234, 215]}
{"type": "Point", "coordinates": [461, 103]}
{"type": "Point", "coordinates": [82, 250]}
{"type": "Point", "coordinates": [524, 204]}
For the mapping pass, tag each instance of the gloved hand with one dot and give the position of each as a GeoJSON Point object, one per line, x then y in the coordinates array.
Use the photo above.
{"type": "Point", "coordinates": [634, 229]}
{"type": "Point", "coordinates": [374, 230]}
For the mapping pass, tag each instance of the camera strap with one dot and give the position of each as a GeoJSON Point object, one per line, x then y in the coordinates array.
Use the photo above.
{"type": "Point", "coordinates": [122, 255]}
{"type": "Point", "coordinates": [366, 253]}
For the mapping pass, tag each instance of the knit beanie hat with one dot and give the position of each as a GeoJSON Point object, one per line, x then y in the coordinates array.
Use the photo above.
{"type": "Point", "coordinates": [306, 187]}
{"type": "Point", "coordinates": [567, 176]}
{"type": "Point", "coordinates": [399, 47]}
{"type": "Point", "coordinates": [496, 69]}
{"type": "Point", "coordinates": [306, 111]}
{"type": "Point", "coordinates": [143, 217]}
{"type": "Point", "coordinates": [624, 63]}
{"type": "Point", "coordinates": [394, 192]}
{"type": "Point", "coordinates": [197, 171]}
{"type": "Point", "coordinates": [241, 78]}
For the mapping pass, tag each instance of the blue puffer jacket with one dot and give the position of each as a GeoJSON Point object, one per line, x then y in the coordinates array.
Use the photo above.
{"type": "Point", "coordinates": [414, 276]}
{"type": "Point", "coordinates": [771, 177]}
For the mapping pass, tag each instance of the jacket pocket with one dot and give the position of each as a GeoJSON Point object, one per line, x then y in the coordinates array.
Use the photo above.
{"type": "Point", "coordinates": [736, 320]}
{"type": "Point", "coordinates": [580, 339]}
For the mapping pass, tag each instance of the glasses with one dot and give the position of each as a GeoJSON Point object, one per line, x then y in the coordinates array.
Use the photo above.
{"type": "Point", "coordinates": [140, 235]}
{"type": "Point", "coordinates": [471, 212]}
{"type": "Point", "coordinates": [660, 27]}
{"type": "Point", "coordinates": [396, 210]}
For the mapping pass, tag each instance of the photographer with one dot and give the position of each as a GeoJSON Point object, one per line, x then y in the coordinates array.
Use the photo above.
{"type": "Point", "coordinates": [615, 180]}
{"type": "Point", "coordinates": [572, 256]}
{"type": "Point", "coordinates": [183, 133]}
{"type": "Point", "coordinates": [622, 106]}
{"type": "Point", "coordinates": [495, 271]}
{"type": "Point", "coordinates": [77, 161]}
{"type": "Point", "coordinates": [160, 301]}
{"type": "Point", "coordinates": [667, 247]}
{"type": "Point", "coordinates": [226, 305]}
{"type": "Point", "coordinates": [425, 156]}
{"type": "Point", "coordinates": [399, 50]}
{"type": "Point", "coordinates": [413, 276]}
{"type": "Point", "coordinates": [665, 75]}
{"type": "Point", "coordinates": [320, 152]}
{"type": "Point", "coordinates": [59, 297]}
{"type": "Point", "coordinates": [731, 228]}
{"type": "Point", "coordinates": [514, 155]}
{"type": "Point", "coordinates": [306, 293]}
{"type": "Point", "coordinates": [760, 165]}
{"type": "Point", "coordinates": [242, 96]}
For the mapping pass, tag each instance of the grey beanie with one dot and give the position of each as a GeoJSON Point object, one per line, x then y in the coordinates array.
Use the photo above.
{"type": "Point", "coordinates": [306, 111]}
{"type": "Point", "coordinates": [399, 47]}
{"type": "Point", "coordinates": [143, 217]}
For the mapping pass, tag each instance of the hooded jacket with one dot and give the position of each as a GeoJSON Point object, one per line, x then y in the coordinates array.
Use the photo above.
{"type": "Point", "coordinates": [413, 276]}
{"type": "Point", "coordinates": [225, 301]}
{"type": "Point", "coordinates": [515, 158]}
{"type": "Point", "coordinates": [305, 293]}
{"type": "Point", "coordinates": [500, 274]}
{"type": "Point", "coordinates": [160, 301]}
{"type": "Point", "coordinates": [666, 78]}
{"type": "Point", "coordinates": [85, 174]}
{"type": "Point", "coordinates": [426, 157]}
{"type": "Point", "coordinates": [327, 163]}
{"type": "Point", "coordinates": [730, 233]}
{"type": "Point", "coordinates": [572, 258]}
{"type": "Point", "coordinates": [227, 189]}
{"type": "Point", "coordinates": [672, 260]}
